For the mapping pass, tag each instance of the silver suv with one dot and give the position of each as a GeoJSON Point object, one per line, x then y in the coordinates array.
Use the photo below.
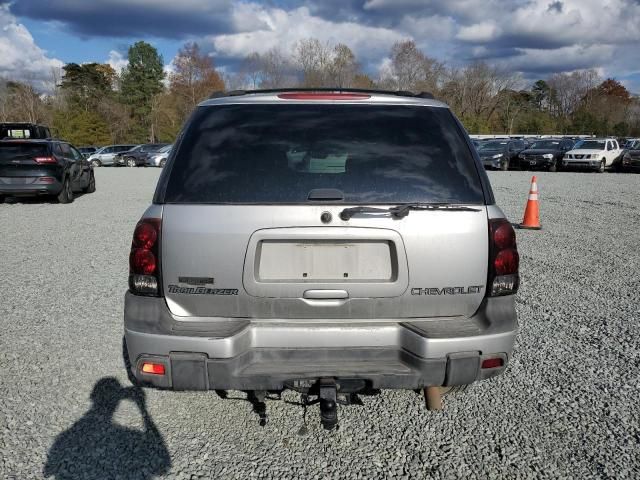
{"type": "Point", "coordinates": [330, 242]}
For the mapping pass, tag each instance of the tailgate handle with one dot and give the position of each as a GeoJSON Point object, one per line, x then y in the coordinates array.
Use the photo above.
{"type": "Point", "coordinates": [325, 294]}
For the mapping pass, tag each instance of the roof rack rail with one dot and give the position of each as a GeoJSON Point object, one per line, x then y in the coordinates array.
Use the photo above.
{"type": "Point", "coordinates": [399, 93]}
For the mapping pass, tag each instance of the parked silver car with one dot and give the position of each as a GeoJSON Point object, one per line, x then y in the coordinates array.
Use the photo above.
{"type": "Point", "coordinates": [106, 155]}
{"type": "Point", "coordinates": [329, 242]}
{"type": "Point", "coordinates": [159, 158]}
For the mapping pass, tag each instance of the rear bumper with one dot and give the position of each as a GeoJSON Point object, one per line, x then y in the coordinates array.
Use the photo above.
{"type": "Point", "coordinates": [32, 189]}
{"type": "Point", "coordinates": [269, 355]}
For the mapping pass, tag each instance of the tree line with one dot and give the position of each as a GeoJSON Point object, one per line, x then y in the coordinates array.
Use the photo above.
{"type": "Point", "coordinates": [92, 104]}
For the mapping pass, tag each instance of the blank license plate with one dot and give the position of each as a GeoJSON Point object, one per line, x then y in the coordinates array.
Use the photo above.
{"type": "Point", "coordinates": [322, 261]}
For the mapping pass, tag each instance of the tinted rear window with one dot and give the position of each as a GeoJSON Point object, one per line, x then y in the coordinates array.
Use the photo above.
{"type": "Point", "coordinates": [17, 151]}
{"type": "Point", "coordinates": [279, 153]}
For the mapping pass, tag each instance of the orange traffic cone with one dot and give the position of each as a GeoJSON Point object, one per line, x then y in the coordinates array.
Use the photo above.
{"type": "Point", "coordinates": [531, 219]}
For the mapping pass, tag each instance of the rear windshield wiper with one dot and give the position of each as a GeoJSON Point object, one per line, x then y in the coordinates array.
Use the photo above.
{"type": "Point", "coordinates": [401, 211]}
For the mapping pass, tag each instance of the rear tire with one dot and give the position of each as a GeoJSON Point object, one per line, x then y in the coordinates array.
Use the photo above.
{"type": "Point", "coordinates": [66, 195]}
{"type": "Point", "coordinates": [92, 184]}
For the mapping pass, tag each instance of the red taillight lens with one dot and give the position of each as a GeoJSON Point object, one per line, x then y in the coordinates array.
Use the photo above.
{"type": "Point", "coordinates": [323, 96]}
{"type": "Point", "coordinates": [144, 259]}
{"type": "Point", "coordinates": [503, 278]}
{"type": "Point", "coordinates": [145, 235]}
{"type": "Point", "coordinates": [492, 363]}
{"type": "Point", "coordinates": [506, 262]}
{"type": "Point", "coordinates": [45, 160]}
{"type": "Point", "coordinates": [504, 236]}
{"type": "Point", "coordinates": [153, 368]}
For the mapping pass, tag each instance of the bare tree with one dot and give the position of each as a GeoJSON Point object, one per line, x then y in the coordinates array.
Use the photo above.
{"type": "Point", "coordinates": [315, 61]}
{"type": "Point", "coordinates": [569, 90]}
{"type": "Point", "coordinates": [275, 69]}
{"type": "Point", "coordinates": [251, 69]}
{"type": "Point", "coordinates": [343, 68]}
{"type": "Point", "coordinates": [195, 77]}
{"type": "Point", "coordinates": [411, 70]}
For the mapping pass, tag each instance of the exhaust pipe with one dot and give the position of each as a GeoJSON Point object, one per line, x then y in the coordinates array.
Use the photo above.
{"type": "Point", "coordinates": [433, 398]}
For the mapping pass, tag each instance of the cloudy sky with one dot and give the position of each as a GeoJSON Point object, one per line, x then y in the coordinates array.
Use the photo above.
{"type": "Point", "coordinates": [534, 37]}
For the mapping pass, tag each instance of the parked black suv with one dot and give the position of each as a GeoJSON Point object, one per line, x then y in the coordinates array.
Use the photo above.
{"type": "Point", "coordinates": [501, 154]}
{"type": "Point", "coordinates": [545, 154]}
{"type": "Point", "coordinates": [43, 167]}
{"type": "Point", "coordinates": [137, 156]}
{"type": "Point", "coordinates": [631, 156]}
{"type": "Point", "coordinates": [23, 130]}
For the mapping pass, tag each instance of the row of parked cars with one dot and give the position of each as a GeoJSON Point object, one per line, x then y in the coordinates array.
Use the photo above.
{"type": "Point", "coordinates": [145, 155]}
{"type": "Point", "coordinates": [552, 154]}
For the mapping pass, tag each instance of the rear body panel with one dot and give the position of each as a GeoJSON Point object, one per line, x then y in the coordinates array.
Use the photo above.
{"type": "Point", "coordinates": [22, 175]}
{"type": "Point", "coordinates": [424, 250]}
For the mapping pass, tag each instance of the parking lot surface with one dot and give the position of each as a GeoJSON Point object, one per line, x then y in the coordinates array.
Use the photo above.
{"type": "Point", "coordinates": [566, 408]}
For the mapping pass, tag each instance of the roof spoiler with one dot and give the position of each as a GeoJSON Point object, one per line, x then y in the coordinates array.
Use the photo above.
{"type": "Point", "coordinates": [399, 93]}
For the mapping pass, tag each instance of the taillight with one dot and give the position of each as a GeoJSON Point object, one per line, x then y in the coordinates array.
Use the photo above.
{"type": "Point", "coordinates": [504, 260]}
{"type": "Point", "coordinates": [495, 362]}
{"type": "Point", "coordinates": [323, 96]}
{"type": "Point", "coordinates": [45, 160]}
{"type": "Point", "coordinates": [152, 368]}
{"type": "Point", "coordinates": [144, 259]}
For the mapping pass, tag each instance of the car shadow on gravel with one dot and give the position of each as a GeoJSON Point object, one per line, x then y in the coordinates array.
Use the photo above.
{"type": "Point", "coordinates": [96, 447]}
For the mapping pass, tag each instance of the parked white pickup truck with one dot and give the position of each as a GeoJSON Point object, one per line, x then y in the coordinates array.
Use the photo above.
{"type": "Point", "coordinates": [594, 154]}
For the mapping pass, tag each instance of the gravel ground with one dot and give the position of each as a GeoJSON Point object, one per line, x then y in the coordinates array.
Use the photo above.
{"type": "Point", "coordinates": [566, 408]}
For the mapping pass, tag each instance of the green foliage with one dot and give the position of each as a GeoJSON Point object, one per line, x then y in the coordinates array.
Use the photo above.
{"type": "Point", "coordinates": [140, 82]}
{"type": "Point", "coordinates": [88, 84]}
{"type": "Point", "coordinates": [81, 127]}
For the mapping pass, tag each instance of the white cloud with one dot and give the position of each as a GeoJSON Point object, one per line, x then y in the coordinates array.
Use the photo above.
{"type": "Point", "coordinates": [281, 28]}
{"type": "Point", "coordinates": [21, 59]}
{"type": "Point", "coordinates": [480, 32]}
{"type": "Point", "coordinates": [117, 61]}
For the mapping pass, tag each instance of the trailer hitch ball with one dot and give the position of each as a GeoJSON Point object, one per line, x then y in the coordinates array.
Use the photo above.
{"type": "Point", "coordinates": [328, 403]}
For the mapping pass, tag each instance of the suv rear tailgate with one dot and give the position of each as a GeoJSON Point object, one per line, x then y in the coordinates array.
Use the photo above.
{"type": "Point", "coordinates": [280, 262]}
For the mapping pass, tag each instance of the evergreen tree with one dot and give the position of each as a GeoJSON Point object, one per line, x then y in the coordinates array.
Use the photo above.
{"type": "Point", "coordinates": [140, 83]}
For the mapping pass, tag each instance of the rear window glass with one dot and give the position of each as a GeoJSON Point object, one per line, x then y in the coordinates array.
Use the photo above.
{"type": "Point", "coordinates": [18, 151]}
{"type": "Point", "coordinates": [279, 153]}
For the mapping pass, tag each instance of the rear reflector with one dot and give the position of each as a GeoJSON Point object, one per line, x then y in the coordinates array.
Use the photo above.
{"type": "Point", "coordinates": [153, 368]}
{"type": "Point", "coordinates": [45, 180]}
{"type": "Point", "coordinates": [323, 96]}
{"type": "Point", "coordinates": [492, 363]}
{"type": "Point", "coordinates": [45, 160]}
